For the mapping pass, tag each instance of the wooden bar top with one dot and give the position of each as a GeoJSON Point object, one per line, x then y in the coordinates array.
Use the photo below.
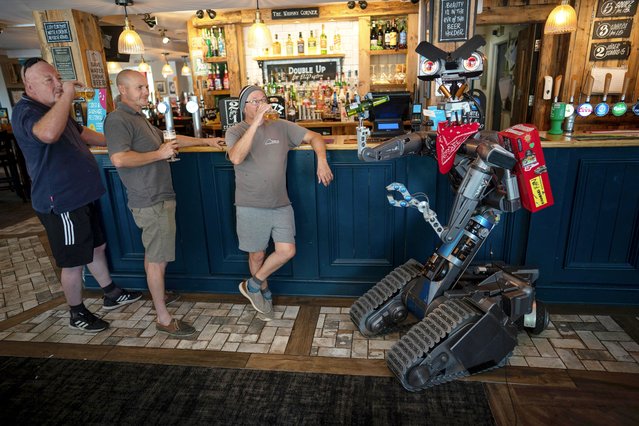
{"type": "Point", "coordinates": [612, 139]}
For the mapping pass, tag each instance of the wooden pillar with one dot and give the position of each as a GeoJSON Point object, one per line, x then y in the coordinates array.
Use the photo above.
{"type": "Point", "coordinates": [72, 41]}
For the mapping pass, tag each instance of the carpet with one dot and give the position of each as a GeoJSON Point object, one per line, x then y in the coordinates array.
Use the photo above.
{"type": "Point", "coordinates": [58, 391]}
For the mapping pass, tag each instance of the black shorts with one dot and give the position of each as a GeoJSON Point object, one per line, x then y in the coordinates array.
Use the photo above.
{"type": "Point", "coordinates": [73, 235]}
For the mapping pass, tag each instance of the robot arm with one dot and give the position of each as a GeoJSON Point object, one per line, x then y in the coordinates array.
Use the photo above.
{"type": "Point", "coordinates": [422, 143]}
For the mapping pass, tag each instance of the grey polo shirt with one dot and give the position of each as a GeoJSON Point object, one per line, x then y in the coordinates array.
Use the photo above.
{"type": "Point", "coordinates": [128, 130]}
{"type": "Point", "coordinates": [260, 180]}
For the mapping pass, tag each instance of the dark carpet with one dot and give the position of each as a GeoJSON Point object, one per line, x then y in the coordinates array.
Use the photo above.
{"type": "Point", "coordinates": [57, 391]}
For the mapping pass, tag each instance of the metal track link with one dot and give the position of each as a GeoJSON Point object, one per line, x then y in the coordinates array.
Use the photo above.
{"type": "Point", "coordinates": [415, 345]}
{"type": "Point", "coordinates": [384, 290]}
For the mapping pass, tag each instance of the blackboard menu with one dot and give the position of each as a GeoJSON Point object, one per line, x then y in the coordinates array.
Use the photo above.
{"type": "Point", "coordinates": [610, 50]}
{"type": "Point", "coordinates": [229, 112]}
{"type": "Point", "coordinates": [612, 29]}
{"type": "Point", "coordinates": [304, 70]}
{"type": "Point", "coordinates": [57, 32]}
{"type": "Point", "coordinates": [610, 8]}
{"type": "Point", "coordinates": [63, 62]}
{"type": "Point", "coordinates": [454, 20]}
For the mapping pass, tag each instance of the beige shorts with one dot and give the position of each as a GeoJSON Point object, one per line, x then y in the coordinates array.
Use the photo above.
{"type": "Point", "coordinates": [158, 230]}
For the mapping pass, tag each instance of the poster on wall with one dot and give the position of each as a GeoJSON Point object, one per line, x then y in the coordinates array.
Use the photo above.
{"type": "Point", "coordinates": [57, 32]}
{"type": "Point", "coordinates": [96, 69]}
{"type": "Point", "coordinates": [63, 62]}
{"type": "Point", "coordinates": [96, 111]}
{"type": "Point", "coordinates": [610, 8]}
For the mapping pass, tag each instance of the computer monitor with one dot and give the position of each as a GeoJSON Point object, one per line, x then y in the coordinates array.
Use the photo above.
{"type": "Point", "coordinates": [398, 107]}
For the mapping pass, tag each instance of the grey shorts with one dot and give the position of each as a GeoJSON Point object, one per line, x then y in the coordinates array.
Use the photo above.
{"type": "Point", "coordinates": [158, 230]}
{"type": "Point", "coordinates": [255, 226]}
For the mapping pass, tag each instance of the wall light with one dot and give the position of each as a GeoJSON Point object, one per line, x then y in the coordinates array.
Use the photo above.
{"type": "Point", "coordinates": [129, 41]}
{"type": "Point", "coordinates": [562, 19]}
{"type": "Point", "coordinates": [165, 39]}
{"type": "Point", "coordinates": [167, 70]}
{"type": "Point", "coordinates": [186, 70]}
{"type": "Point", "coordinates": [259, 36]}
{"type": "Point", "coordinates": [212, 14]}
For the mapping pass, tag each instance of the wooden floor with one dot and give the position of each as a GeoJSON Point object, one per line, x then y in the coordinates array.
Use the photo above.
{"type": "Point", "coordinates": [517, 395]}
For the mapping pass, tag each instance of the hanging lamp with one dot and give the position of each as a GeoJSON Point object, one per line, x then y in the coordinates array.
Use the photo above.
{"type": "Point", "coordinates": [186, 70]}
{"type": "Point", "coordinates": [259, 36]}
{"type": "Point", "coordinates": [562, 19]}
{"type": "Point", "coordinates": [129, 41]}
{"type": "Point", "coordinates": [167, 70]}
{"type": "Point", "coordinates": [143, 66]}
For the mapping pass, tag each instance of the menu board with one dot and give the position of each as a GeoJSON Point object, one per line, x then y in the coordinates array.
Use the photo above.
{"type": "Point", "coordinates": [620, 28]}
{"type": "Point", "coordinates": [610, 8]}
{"type": "Point", "coordinates": [302, 70]}
{"type": "Point", "coordinates": [454, 20]}
{"type": "Point", "coordinates": [609, 50]}
{"type": "Point", "coordinates": [57, 32]}
{"type": "Point", "coordinates": [230, 113]}
{"type": "Point", "coordinates": [63, 62]}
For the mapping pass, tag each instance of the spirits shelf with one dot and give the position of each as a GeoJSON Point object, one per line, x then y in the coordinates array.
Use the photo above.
{"type": "Point", "coordinates": [215, 59]}
{"type": "Point", "coordinates": [286, 58]}
{"type": "Point", "coordinates": [388, 52]}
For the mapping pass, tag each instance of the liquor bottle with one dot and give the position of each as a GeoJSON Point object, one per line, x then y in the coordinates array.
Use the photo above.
{"type": "Point", "coordinates": [289, 46]}
{"type": "Point", "coordinates": [312, 44]}
{"type": "Point", "coordinates": [365, 105]}
{"type": "Point", "coordinates": [210, 80]}
{"type": "Point", "coordinates": [380, 37]}
{"type": "Point", "coordinates": [277, 47]}
{"type": "Point", "coordinates": [214, 46]}
{"type": "Point", "coordinates": [337, 42]}
{"type": "Point", "coordinates": [300, 45]}
{"type": "Point", "coordinates": [403, 42]}
{"type": "Point", "coordinates": [221, 44]}
{"type": "Point", "coordinates": [207, 40]}
{"type": "Point", "coordinates": [393, 36]}
{"type": "Point", "coordinates": [218, 78]}
{"type": "Point", "coordinates": [225, 80]}
{"type": "Point", "coordinates": [387, 36]}
{"type": "Point", "coordinates": [373, 37]}
{"type": "Point", "coordinates": [323, 42]}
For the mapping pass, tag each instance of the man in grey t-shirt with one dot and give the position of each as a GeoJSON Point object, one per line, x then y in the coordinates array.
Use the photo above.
{"type": "Point", "coordinates": [259, 150]}
{"type": "Point", "coordinates": [136, 150]}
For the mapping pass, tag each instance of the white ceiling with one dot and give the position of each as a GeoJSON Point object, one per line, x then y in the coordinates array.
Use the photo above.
{"type": "Point", "coordinates": [19, 38]}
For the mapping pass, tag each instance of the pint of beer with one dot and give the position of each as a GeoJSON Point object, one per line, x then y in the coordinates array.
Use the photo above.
{"type": "Point", "coordinates": [85, 93]}
{"type": "Point", "coordinates": [271, 115]}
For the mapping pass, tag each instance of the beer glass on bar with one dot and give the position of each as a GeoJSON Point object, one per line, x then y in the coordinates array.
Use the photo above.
{"type": "Point", "coordinates": [169, 136]}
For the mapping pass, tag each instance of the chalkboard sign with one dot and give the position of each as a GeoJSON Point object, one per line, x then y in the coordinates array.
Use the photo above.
{"type": "Point", "coordinates": [610, 50]}
{"type": "Point", "coordinates": [610, 8]}
{"type": "Point", "coordinates": [612, 29]}
{"type": "Point", "coordinates": [302, 70]}
{"type": "Point", "coordinates": [63, 62]}
{"type": "Point", "coordinates": [230, 113]}
{"type": "Point", "coordinates": [57, 32]}
{"type": "Point", "coordinates": [296, 13]}
{"type": "Point", "coordinates": [454, 20]}
{"type": "Point", "coordinates": [277, 104]}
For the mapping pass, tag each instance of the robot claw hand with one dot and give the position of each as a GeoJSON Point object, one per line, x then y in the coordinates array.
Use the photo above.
{"type": "Point", "coordinates": [408, 200]}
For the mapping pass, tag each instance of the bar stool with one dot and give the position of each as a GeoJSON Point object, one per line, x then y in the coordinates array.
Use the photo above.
{"type": "Point", "coordinates": [9, 166]}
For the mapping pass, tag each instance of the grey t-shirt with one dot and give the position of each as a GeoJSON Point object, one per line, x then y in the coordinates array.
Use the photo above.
{"type": "Point", "coordinates": [260, 180]}
{"type": "Point", "coordinates": [128, 130]}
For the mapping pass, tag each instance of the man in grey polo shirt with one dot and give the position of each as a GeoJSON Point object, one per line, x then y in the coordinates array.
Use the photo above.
{"type": "Point", "coordinates": [258, 150]}
{"type": "Point", "coordinates": [136, 150]}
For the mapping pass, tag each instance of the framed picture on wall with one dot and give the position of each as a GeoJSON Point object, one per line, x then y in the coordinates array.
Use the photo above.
{"type": "Point", "coordinates": [172, 90]}
{"type": "Point", "coordinates": [15, 93]}
{"type": "Point", "coordinates": [160, 87]}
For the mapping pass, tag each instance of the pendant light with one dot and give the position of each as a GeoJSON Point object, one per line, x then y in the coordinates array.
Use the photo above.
{"type": "Point", "coordinates": [167, 70]}
{"type": "Point", "coordinates": [562, 19]}
{"type": "Point", "coordinates": [186, 70]}
{"type": "Point", "coordinates": [259, 36]}
{"type": "Point", "coordinates": [143, 66]}
{"type": "Point", "coordinates": [129, 41]}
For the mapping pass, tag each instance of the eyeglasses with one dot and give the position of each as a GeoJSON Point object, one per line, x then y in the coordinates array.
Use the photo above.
{"type": "Point", "coordinates": [258, 101]}
{"type": "Point", "coordinates": [29, 63]}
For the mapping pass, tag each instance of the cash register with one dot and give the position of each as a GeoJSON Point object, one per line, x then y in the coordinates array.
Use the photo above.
{"type": "Point", "coordinates": [388, 118]}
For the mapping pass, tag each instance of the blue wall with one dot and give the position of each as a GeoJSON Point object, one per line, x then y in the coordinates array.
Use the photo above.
{"type": "Point", "coordinates": [348, 237]}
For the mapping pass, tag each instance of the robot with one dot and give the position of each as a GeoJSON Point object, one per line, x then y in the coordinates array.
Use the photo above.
{"type": "Point", "coordinates": [468, 317]}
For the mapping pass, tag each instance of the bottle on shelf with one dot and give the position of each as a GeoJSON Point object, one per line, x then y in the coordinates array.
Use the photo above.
{"type": "Point", "coordinates": [323, 42]}
{"type": "Point", "coordinates": [337, 42]}
{"type": "Point", "coordinates": [218, 77]}
{"type": "Point", "coordinates": [225, 80]}
{"type": "Point", "coordinates": [365, 105]}
{"type": "Point", "coordinates": [277, 47]}
{"type": "Point", "coordinates": [380, 36]}
{"type": "Point", "coordinates": [210, 79]}
{"type": "Point", "coordinates": [403, 36]}
{"type": "Point", "coordinates": [387, 36]}
{"type": "Point", "coordinates": [221, 44]}
{"type": "Point", "coordinates": [289, 46]}
{"type": "Point", "coordinates": [373, 37]}
{"type": "Point", "coordinates": [312, 44]}
{"type": "Point", "coordinates": [300, 45]}
{"type": "Point", "coordinates": [393, 36]}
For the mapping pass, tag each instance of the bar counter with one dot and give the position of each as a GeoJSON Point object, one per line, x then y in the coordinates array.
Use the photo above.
{"type": "Point", "coordinates": [348, 237]}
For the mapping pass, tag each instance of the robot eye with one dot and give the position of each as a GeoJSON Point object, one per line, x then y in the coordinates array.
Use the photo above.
{"type": "Point", "coordinates": [429, 67]}
{"type": "Point", "coordinates": [473, 63]}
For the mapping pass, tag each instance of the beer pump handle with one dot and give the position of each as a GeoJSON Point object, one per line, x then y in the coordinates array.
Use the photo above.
{"type": "Point", "coordinates": [556, 87]}
{"type": "Point", "coordinates": [573, 86]}
{"type": "Point", "coordinates": [607, 81]}
{"type": "Point", "coordinates": [626, 80]}
{"type": "Point", "coordinates": [589, 83]}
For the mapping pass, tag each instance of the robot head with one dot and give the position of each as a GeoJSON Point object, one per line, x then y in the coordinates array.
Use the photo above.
{"type": "Point", "coordinates": [463, 64]}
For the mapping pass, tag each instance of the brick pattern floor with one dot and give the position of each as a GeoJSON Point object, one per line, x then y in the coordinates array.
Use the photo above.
{"type": "Point", "coordinates": [220, 327]}
{"type": "Point", "coordinates": [27, 278]}
{"type": "Point", "coordinates": [581, 342]}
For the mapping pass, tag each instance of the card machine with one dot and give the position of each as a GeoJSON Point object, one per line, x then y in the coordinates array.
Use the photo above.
{"type": "Point", "coordinates": [387, 127]}
{"type": "Point", "coordinates": [416, 117]}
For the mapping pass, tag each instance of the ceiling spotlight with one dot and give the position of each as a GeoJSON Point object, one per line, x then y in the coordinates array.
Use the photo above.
{"type": "Point", "coordinates": [212, 14]}
{"type": "Point", "coordinates": [165, 39]}
{"type": "Point", "coordinates": [351, 4]}
{"type": "Point", "coordinates": [199, 14]}
{"type": "Point", "coordinates": [149, 20]}
{"type": "Point", "coordinates": [363, 4]}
